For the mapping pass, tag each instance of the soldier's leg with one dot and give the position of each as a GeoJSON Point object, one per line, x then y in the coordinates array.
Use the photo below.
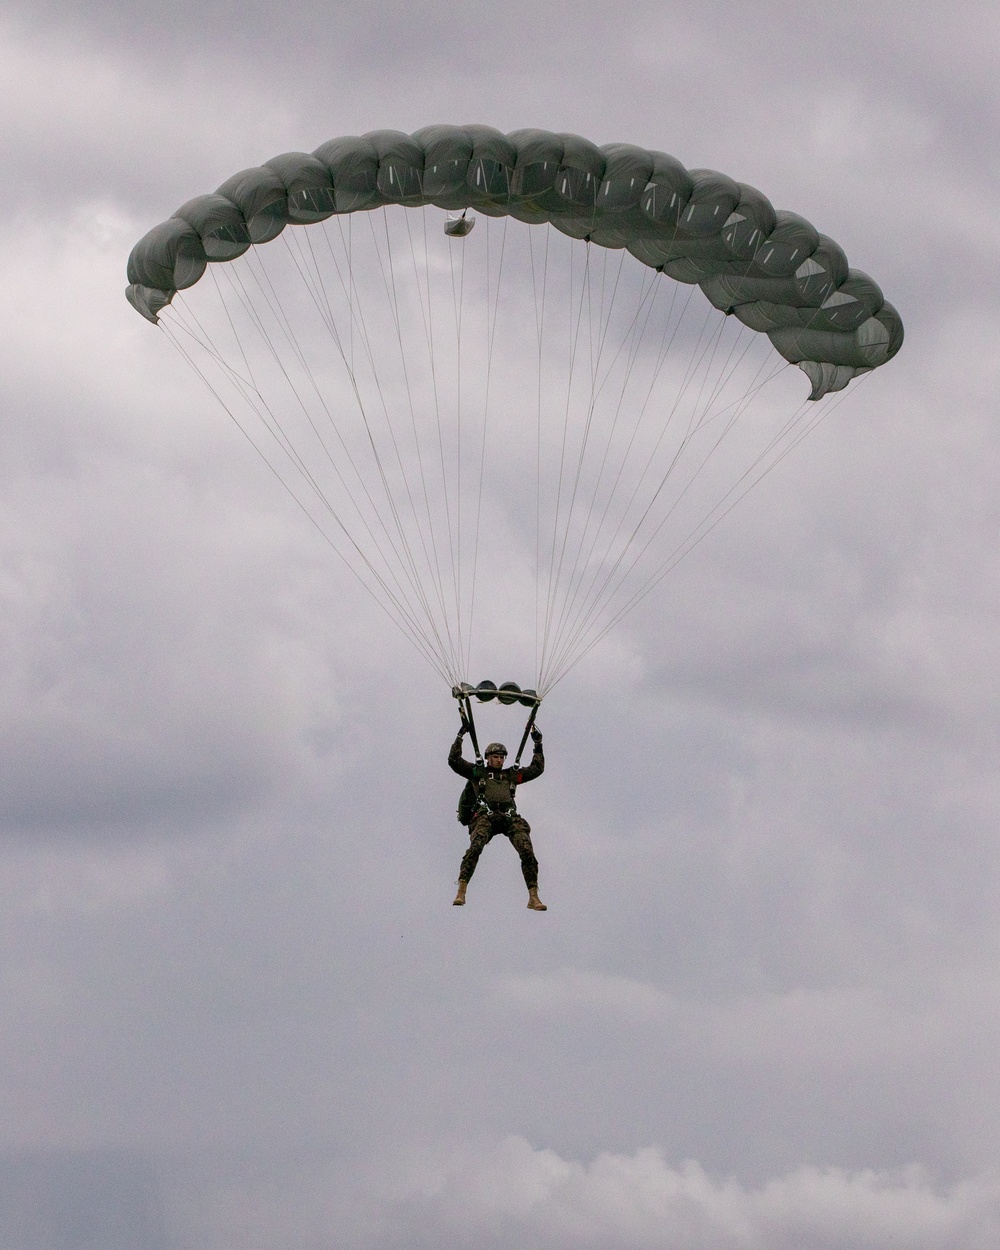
{"type": "Point", "coordinates": [480, 832]}
{"type": "Point", "coordinates": [519, 832]}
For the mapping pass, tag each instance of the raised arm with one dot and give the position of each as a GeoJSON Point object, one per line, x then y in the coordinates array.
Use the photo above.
{"type": "Point", "coordinates": [537, 765]}
{"type": "Point", "coordinates": [455, 761]}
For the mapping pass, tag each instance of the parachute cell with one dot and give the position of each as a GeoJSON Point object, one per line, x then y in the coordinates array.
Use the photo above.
{"type": "Point", "coordinates": [729, 236]}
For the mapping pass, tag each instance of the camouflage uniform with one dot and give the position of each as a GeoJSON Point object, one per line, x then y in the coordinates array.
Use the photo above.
{"type": "Point", "coordinates": [498, 786]}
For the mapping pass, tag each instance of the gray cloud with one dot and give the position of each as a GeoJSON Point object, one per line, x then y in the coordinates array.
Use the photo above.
{"type": "Point", "coordinates": [508, 1193]}
{"type": "Point", "coordinates": [238, 1005]}
{"type": "Point", "coordinates": [86, 1199]}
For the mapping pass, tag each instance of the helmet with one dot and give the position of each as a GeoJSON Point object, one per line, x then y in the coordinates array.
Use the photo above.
{"type": "Point", "coordinates": [496, 748]}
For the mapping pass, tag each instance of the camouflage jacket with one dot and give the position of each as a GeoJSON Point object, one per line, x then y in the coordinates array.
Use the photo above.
{"type": "Point", "coordinates": [495, 785]}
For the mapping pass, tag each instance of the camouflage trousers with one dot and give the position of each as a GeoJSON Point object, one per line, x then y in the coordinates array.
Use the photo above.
{"type": "Point", "coordinates": [484, 828]}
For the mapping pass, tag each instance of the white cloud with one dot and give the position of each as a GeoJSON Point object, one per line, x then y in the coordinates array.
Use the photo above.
{"type": "Point", "coordinates": [507, 1193]}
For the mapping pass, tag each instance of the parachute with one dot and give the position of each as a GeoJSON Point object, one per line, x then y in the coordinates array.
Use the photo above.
{"type": "Point", "coordinates": [509, 433]}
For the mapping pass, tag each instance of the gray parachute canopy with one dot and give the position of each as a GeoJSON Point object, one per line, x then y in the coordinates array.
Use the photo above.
{"type": "Point", "coordinates": [770, 268]}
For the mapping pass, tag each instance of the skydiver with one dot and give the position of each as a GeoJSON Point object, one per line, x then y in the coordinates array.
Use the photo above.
{"type": "Point", "coordinates": [488, 803]}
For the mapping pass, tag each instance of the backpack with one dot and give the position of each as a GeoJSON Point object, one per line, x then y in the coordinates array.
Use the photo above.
{"type": "Point", "coordinates": [468, 803]}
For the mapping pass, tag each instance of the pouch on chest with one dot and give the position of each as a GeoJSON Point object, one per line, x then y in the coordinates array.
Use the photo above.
{"type": "Point", "coordinates": [497, 790]}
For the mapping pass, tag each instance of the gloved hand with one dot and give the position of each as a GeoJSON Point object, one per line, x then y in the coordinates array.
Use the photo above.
{"type": "Point", "coordinates": [536, 735]}
{"type": "Point", "coordinates": [465, 728]}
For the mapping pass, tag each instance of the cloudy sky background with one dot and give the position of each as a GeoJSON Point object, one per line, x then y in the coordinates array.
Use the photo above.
{"type": "Point", "coordinates": [238, 1010]}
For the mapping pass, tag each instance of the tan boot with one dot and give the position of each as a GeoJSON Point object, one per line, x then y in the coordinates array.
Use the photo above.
{"type": "Point", "coordinates": [534, 902]}
{"type": "Point", "coordinates": [459, 899]}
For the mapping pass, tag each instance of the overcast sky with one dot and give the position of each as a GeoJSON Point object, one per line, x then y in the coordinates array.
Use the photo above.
{"type": "Point", "coordinates": [763, 1009]}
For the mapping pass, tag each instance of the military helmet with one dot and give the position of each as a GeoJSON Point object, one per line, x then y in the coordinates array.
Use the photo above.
{"type": "Point", "coordinates": [496, 748]}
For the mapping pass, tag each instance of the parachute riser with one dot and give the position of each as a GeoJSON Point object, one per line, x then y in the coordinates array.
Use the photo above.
{"type": "Point", "coordinates": [466, 709]}
{"type": "Point", "coordinates": [524, 736]}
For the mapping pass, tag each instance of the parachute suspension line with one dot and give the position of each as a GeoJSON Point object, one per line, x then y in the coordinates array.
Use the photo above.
{"type": "Point", "coordinates": [574, 341]}
{"type": "Point", "coordinates": [390, 428]}
{"type": "Point", "coordinates": [388, 284]}
{"type": "Point", "coordinates": [821, 411]}
{"type": "Point", "coordinates": [579, 619]}
{"type": "Point", "coordinates": [633, 341]}
{"type": "Point", "coordinates": [710, 414]}
{"type": "Point", "coordinates": [596, 305]}
{"type": "Point", "coordinates": [311, 274]}
{"type": "Point", "coordinates": [670, 325]}
{"type": "Point", "coordinates": [349, 252]}
{"type": "Point", "coordinates": [401, 619]}
{"type": "Point", "coordinates": [574, 334]}
{"type": "Point", "coordinates": [598, 383]}
{"type": "Point", "coordinates": [422, 281]}
{"type": "Point", "coordinates": [358, 317]}
{"type": "Point", "coordinates": [689, 374]}
{"type": "Point", "coordinates": [492, 308]}
{"type": "Point", "coordinates": [457, 299]}
{"type": "Point", "coordinates": [708, 523]}
{"type": "Point", "coordinates": [404, 619]}
{"type": "Point", "coordinates": [630, 346]}
{"type": "Point", "coordinates": [273, 423]}
{"type": "Point", "coordinates": [274, 304]}
{"type": "Point", "coordinates": [480, 469]}
{"type": "Point", "coordinates": [405, 555]}
{"type": "Point", "coordinates": [616, 576]}
{"type": "Point", "coordinates": [737, 410]}
{"type": "Point", "coordinates": [596, 350]}
{"type": "Point", "coordinates": [433, 557]}
{"type": "Point", "coordinates": [666, 346]}
{"type": "Point", "coordinates": [445, 492]}
{"type": "Point", "coordinates": [277, 311]}
{"type": "Point", "coordinates": [182, 320]}
{"type": "Point", "coordinates": [603, 327]}
{"type": "Point", "coordinates": [539, 303]}
{"type": "Point", "coordinates": [824, 410]}
{"type": "Point", "coordinates": [639, 396]}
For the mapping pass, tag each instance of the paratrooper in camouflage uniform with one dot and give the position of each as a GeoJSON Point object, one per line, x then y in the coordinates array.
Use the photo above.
{"type": "Point", "coordinates": [495, 812]}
